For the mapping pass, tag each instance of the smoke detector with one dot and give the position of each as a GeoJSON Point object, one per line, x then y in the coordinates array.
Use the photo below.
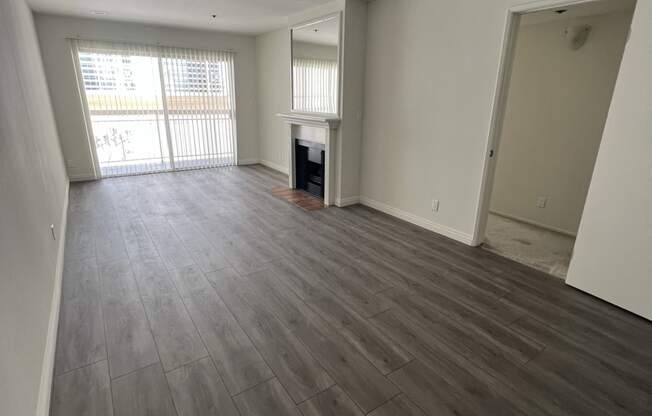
{"type": "Point", "coordinates": [576, 36]}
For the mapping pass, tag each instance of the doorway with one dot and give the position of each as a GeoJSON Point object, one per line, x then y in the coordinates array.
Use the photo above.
{"type": "Point", "coordinates": [559, 71]}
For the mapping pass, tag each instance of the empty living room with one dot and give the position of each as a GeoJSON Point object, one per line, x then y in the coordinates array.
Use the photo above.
{"type": "Point", "coordinates": [325, 207]}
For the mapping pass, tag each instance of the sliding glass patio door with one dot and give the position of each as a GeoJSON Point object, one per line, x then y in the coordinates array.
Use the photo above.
{"type": "Point", "coordinates": [152, 109]}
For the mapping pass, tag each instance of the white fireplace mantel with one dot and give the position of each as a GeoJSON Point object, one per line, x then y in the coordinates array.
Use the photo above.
{"type": "Point", "coordinates": [318, 128]}
{"type": "Point", "coordinates": [316, 120]}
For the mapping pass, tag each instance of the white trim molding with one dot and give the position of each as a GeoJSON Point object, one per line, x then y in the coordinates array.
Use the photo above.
{"type": "Point", "coordinates": [47, 368]}
{"type": "Point", "coordinates": [271, 165]}
{"type": "Point", "coordinates": [81, 177]}
{"type": "Point", "coordinates": [326, 121]}
{"type": "Point", "coordinates": [251, 161]}
{"type": "Point", "coordinates": [280, 168]}
{"type": "Point", "coordinates": [541, 5]}
{"type": "Point", "coordinates": [347, 201]}
{"type": "Point", "coordinates": [532, 222]}
{"type": "Point", "coordinates": [416, 220]}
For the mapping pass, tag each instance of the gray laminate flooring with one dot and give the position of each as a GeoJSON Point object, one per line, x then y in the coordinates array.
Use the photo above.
{"type": "Point", "coordinates": [201, 293]}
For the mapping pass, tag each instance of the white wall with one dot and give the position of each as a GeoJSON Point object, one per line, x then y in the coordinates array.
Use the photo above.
{"type": "Point", "coordinates": [428, 103]}
{"type": "Point", "coordinates": [33, 185]}
{"type": "Point", "coordinates": [273, 92]}
{"type": "Point", "coordinates": [612, 252]}
{"type": "Point", "coordinates": [429, 96]}
{"type": "Point", "coordinates": [352, 100]}
{"type": "Point", "coordinates": [429, 91]}
{"type": "Point", "coordinates": [52, 33]}
{"type": "Point", "coordinates": [273, 59]}
{"type": "Point", "coordinates": [556, 109]}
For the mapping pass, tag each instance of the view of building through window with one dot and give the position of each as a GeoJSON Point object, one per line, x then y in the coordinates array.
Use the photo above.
{"type": "Point", "coordinates": [155, 109]}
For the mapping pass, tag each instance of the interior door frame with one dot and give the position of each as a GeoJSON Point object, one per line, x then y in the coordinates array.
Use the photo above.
{"type": "Point", "coordinates": [500, 104]}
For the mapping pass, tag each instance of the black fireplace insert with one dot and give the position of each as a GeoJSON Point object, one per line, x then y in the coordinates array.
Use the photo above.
{"type": "Point", "coordinates": [309, 158]}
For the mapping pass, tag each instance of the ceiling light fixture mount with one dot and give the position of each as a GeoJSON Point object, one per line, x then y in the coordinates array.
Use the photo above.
{"type": "Point", "coordinates": [99, 12]}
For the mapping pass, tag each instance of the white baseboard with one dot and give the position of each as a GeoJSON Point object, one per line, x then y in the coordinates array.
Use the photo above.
{"type": "Point", "coordinates": [244, 162]}
{"type": "Point", "coordinates": [416, 220]}
{"type": "Point", "coordinates": [535, 223]}
{"type": "Point", "coordinates": [47, 369]}
{"type": "Point", "coordinates": [275, 166]}
{"type": "Point", "coordinates": [81, 177]}
{"type": "Point", "coordinates": [346, 201]}
{"type": "Point", "coordinates": [271, 165]}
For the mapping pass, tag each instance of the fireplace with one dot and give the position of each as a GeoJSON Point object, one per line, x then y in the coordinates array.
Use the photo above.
{"type": "Point", "coordinates": [313, 153]}
{"type": "Point", "coordinates": [309, 166]}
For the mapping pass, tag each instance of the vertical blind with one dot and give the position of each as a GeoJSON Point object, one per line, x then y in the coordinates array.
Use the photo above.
{"type": "Point", "coordinates": [154, 108]}
{"type": "Point", "coordinates": [315, 85]}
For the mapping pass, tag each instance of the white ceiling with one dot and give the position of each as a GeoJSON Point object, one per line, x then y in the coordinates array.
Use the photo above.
{"type": "Point", "coordinates": [592, 8]}
{"type": "Point", "coordinates": [242, 16]}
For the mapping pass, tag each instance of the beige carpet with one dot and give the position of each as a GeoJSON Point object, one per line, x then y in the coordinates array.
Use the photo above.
{"type": "Point", "coordinates": [537, 247]}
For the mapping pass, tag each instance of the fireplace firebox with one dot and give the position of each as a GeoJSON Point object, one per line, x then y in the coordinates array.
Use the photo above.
{"type": "Point", "coordinates": [309, 166]}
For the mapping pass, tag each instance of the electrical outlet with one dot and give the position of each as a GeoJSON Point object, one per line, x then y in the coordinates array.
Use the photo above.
{"type": "Point", "coordinates": [542, 201]}
{"type": "Point", "coordinates": [435, 205]}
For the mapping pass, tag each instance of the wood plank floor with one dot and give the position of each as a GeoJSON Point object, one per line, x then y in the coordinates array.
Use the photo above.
{"type": "Point", "coordinates": [201, 293]}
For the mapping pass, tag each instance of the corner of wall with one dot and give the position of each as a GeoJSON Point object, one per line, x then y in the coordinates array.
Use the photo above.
{"type": "Point", "coordinates": [347, 201]}
{"type": "Point", "coordinates": [250, 161]}
{"type": "Point", "coordinates": [280, 168]}
{"type": "Point", "coordinates": [81, 177]}
{"type": "Point", "coordinates": [352, 99]}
